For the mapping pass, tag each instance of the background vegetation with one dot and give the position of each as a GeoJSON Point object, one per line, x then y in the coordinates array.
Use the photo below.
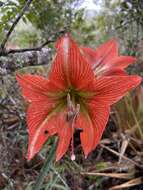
{"type": "Point", "coordinates": [118, 160]}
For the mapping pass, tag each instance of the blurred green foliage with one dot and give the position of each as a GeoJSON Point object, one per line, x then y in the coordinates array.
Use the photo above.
{"type": "Point", "coordinates": [46, 16]}
{"type": "Point", "coordinates": [115, 19]}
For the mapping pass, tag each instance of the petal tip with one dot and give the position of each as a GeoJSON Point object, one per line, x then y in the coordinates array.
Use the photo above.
{"type": "Point", "coordinates": [138, 79]}
{"type": "Point", "coordinates": [18, 76]}
{"type": "Point", "coordinates": [28, 157]}
{"type": "Point", "coordinates": [30, 154]}
{"type": "Point", "coordinates": [134, 59]}
{"type": "Point", "coordinates": [57, 158]}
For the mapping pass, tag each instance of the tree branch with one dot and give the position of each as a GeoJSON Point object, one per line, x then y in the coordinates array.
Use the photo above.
{"type": "Point", "coordinates": [25, 8]}
{"type": "Point", "coordinates": [13, 51]}
{"type": "Point", "coordinates": [5, 52]}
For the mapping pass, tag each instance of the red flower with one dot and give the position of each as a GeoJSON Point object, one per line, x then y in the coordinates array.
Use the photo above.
{"type": "Point", "coordinates": [105, 60]}
{"type": "Point", "coordinates": [71, 98]}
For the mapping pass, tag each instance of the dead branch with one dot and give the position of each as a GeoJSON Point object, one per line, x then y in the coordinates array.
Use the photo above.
{"type": "Point", "coordinates": [54, 36]}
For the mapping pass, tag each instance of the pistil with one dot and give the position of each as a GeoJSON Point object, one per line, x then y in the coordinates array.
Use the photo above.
{"type": "Point", "coordinates": [71, 117]}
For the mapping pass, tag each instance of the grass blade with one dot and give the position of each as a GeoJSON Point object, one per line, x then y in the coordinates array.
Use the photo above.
{"type": "Point", "coordinates": [46, 167]}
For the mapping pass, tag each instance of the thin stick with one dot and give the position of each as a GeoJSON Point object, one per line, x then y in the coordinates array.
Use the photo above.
{"type": "Point", "coordinates": [118, 154]}
{"type": "Point", "coordinates": [113, 175]}
{"type": "Point", "coordinates": [28, 49]}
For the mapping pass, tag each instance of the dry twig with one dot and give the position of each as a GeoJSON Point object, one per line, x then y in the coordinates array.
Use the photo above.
{"type": "Point", "coordinates": [122, 156]}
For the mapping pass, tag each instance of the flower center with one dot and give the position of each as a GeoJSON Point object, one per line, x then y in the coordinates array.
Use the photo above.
{"type": "Point", "coordinates": [74, 95]}
{"type": "Point", "coordinates": [74, 102]}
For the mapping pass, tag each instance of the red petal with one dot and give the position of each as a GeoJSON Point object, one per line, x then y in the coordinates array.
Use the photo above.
{"type": "Point", "coordinates": [34, 88]}
{"type": "Point", "coordinates": [69, 67]}
{"type": "Point", "coordinates": [111, 89]}
{"type": "Point", "coordinates": [106, 51]}
{"type": "Point", "coordinates": [112, 72]}
{"type": "Point", "coordinates": [103, 54]}
{"type": "Point", "coordinates": [89, 54]}
{"type": "Point", "coordinates": [40, 126]}
{"type": "Point", "coordinates": [121, 61]}
{"type": "Point", "coordinates": [114, 66]}
{"type": "Point", "coordinates": [37, 88]}
{"type": "Point", "coordinates": [64, 136]}
{"type": "Point", "coordinates": [99, 114]}
{"type": "Point", "coordinates": [87, 136]}
{"type": "Point", "coordinates": [105, 59]}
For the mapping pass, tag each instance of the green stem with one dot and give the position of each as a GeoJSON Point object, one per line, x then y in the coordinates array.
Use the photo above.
{"type": "Point", "coordinates": [46, 167]}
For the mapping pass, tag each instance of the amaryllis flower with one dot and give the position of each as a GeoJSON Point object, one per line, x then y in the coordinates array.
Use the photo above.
{"type": "Point", "coordinates": [71, 98]}
{"type": "Point", "coordinates": [106, 61]}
